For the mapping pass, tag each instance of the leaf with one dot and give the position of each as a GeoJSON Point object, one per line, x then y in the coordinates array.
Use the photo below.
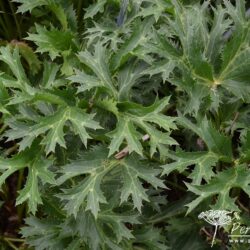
{"type": "Point", "coordinates": [50, 234]}
{"type": "Point", "coordinates": [164, 67]}
{"type": "Point", "coordinates": [125, 130]}
{"type": "Point", "coordinates": [221, 185]}
{"type": "Point", "coordinates": [127, 78]}
{"type": "Point", "coordinates": [220, 25]}
{"type": "Point", "coordinates": [183, 234]}
{"type": "Point", "coordinates": [89, 189]}
{"type": "Point", "coordinates": [87, 81]}
{"type": "Point", "coordinates": [133, 115]}
{"type": "Point", "coordinates": [132, 172]}
{"type": "Point", "coordinates": [151, 238]}
{"type": "Point", "coordinates": [43, 233]}
{"type": "Point", "coordinates": [38, 169]}
{"type": "Point", "coordinates": [54, 127]}
{"type": "Point", "coordinates": [215, 141]}
{"type": "Point", "coordinates": [62, 10]}
{"type": "Point", "coordinates": [245, 149]}
{"type": "Point", "coordinates": [116, 221]}
{"type": "Point", "coordinates": [53, 41]}
{"type": "Point", "coordinates": [29, 5]}
{"type": "Point", "coordinates": [49, 75]}
{"type": "Point", "coordinates": [156, 8]}
{"type": "Point", "coordinates": [138, 35]}
{"type": "Point", "coordinates": [3, 110]}
{"type": "Point", "coordinates": [98, 64]}
{"type": "Point", "coordinates": [14, 62]}
{"type": "Point", "coordinates": [30, 192]}
{"type": "Point", "coordinates": [203, 161]}
{"type": "Point", "coordinates": [28, 54]}
{"type": "Point", "coordinates": [95, 8]}
{"type": "Point", "coordinates": [95, 166]}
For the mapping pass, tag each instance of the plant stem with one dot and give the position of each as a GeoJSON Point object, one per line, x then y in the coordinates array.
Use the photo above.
{"type": "Point", "coordinates": [10, 243]}
{"type": "Point", "coordinates": [16, 21]}
{"type": "Point", "coordinates": [14, 239]}
{"type": "Point", "coordinates": [19, 186]}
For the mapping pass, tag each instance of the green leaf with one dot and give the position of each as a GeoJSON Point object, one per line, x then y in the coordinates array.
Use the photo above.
{"type": "Point", "coordinates": [49, 75]}
{"type": "Point", "coordinates": [54, 127]}
{"type": "Point", "coordinates": [132, 171]}
{"type": "Point", "coordinates": [53, 41]}
{"type": "Point", "coordinates": [38, 169]}
{"type": "Point", "coordinates": [125, 130]}
{"type": "Point", "coordinates": [127, 78]}
{"type": "Point", "coordinates": [13, 60]}
{"type": "Point", "coordinates": [151, 238]}
{"type": "Point", "coordinates": [88, 190]}
{"type": "Point", "coordinates": [98, 64]}
{"type": "Point", "coordinates": [156, 8]}
{"type": "Point", "coordinates": [30, 57]}
{"type": "Point", "coordinates": [62, 10]}
{"type": "Point", "coordinates": [221, 185]}
{"type": "Point", "coordinates": [116, 221]}
{"type": "Point", "coordinates": [95, 8]}
{"type": "Point", "coordinates": [29, 5]}
{"type": "Point", "coordinates": [3, 109]}
{"type": "Point", "coordinates": [139, 35]}
{"type": "Point", "coordinates": [95, 166]}
{"type": "Point", "coordinates": [203, 161]}
{"type": "Point", "coordinates": [164, 67]}
{"type": "Point", "coordinates": [215, 141]}
{"type": "Point", "coordinates": [220, 25]}
{"type": "Point", "coordinates": [87, 81]}
{"type": "Point", "coordinates": [134, 115]}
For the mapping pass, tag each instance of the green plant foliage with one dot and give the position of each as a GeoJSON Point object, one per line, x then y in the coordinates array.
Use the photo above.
{"type": "Point", "coordinates": [123, 120]}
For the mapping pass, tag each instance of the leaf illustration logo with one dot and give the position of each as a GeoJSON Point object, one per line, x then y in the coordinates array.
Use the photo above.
{"type": "Point", "coordinates": [216, 218]}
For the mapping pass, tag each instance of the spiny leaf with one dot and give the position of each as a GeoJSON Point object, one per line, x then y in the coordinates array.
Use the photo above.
{"type": "Point", "coordinates": [93, 9]}
{"type": "Point", "coordinates": [38, 169]}
{"type": "Point", "coordinates": [94, 164]}
{"type": "Point", "coordinates": [53, 41]}
{"type": "Point", "coordinates": [203, 161]}
{"type": "Point", "coordinates": [89, 189]}
{"type": "Point", "coordinates": [132, 171]}
{"type": "Point", "coordinates": [138, 35]}
{"type": "Point", "coordinates": [14, 62]}
{"type": "Point", "coordinates": [54, 126]}
{"type": "Point", "coordinates": [125, 130]}
{"type": "Point", "coordinates": [134, 115]}
{"type": "Point", "coordinates": [221, 185]}
{"type": "Point", "coordinates": [98, 64]}
{"type": "Point", "coordinates": [29, 55]}
{"type": "Point", "coordinates": [29, 5]}
{"type": "Point", "coordinates": [216, 141]}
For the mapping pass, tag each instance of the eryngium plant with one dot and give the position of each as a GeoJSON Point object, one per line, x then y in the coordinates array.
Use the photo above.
{"type": "Point", "coordinates": [126, 131]}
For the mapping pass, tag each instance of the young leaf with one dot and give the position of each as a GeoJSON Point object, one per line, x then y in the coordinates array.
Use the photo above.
{"type": "Point", "coordinates": [98, 64]}
{"type": "Point", "coordinates": [53, 41]}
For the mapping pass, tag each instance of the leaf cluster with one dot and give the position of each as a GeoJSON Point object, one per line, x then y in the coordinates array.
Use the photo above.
{"type": "Point", "coordinates": [129, 126]}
